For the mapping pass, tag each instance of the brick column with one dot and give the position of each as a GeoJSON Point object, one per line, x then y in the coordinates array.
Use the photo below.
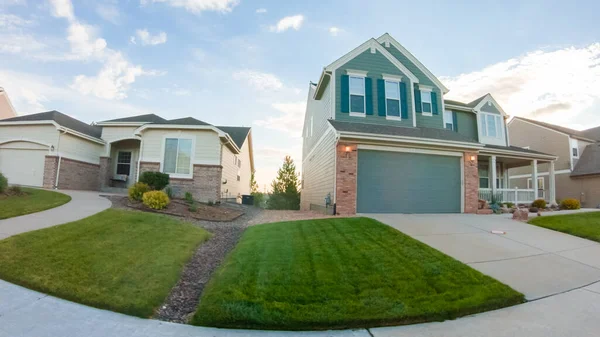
{"type": "Point", "coordinates": [104, 174]}
{"type": "Point", "coordinates": [50, 169]}
{"type": "Point", "coordinates": [345, 177]}
{"type": "Point", "coordinates": [471, 181]}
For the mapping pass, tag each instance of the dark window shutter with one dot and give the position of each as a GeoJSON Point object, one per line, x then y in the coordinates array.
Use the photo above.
{"type": "Point", "coordinates": [434, 105]}
{"type": "Point", "coordinates": [381, 97]}
{"type": "Point", "coordinates": [418, 100]}
{"type": "Point", "coordinates": [403, 103]}
{"type": "Point", "coordinates": [454, 122]}
{"type": "Point", "coordinates": [345, 106]}
{"type": "Point", "coordinates": [369, 95]}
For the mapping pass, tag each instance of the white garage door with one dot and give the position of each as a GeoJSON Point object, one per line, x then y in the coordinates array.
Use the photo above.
{"type": "Point", "coordinates": [23, 166]}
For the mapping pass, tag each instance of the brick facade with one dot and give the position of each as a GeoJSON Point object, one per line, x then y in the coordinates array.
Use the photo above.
{"type": "Point", "coordinates": [471, 181]}
{"type": "Point", "coordinates": [104, 172]}
{"type": "Point", "coordinates": [205, 185]}
{"type": "Point", "coordinates": [345, 178]}
{"type": "Point", "coordinates": [50, 167]}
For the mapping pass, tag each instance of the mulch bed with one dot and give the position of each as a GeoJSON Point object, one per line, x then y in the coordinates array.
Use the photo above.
{"type": "Point", "coordinates": [182, 209]}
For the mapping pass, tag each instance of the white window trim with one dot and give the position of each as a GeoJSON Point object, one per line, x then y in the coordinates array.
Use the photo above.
{"type": "Point", "coordinates": [192, 157]}
{"type": "Point", "coordinates": [357, 73]}
{"type": "Point", "coordinates": [392, 118]}
{"type": "Point", "coordinates": [424, 87]}
{"type": "Point", "coordinates": [392, 78]}
{"type": "Point", "coordinates": [428, 90]}
{"type": "Point", "coordinates": [130, 161]}
{"type": "Point", "coordinates": [451, 119]}
{"type": "Point", "coordinates": [351, 74]}
{"type": "Point", "coordinates": [499, 125]}
{"type": "Point", "coordinates": [574, 145]}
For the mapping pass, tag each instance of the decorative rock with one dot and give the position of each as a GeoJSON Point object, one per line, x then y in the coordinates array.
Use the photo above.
{"type": "Point", "coordinates": [521, 215]}
{"type": "Point", "coordinates": [482, 204]}
{"type": "Point", "coordinates": [505, 210]}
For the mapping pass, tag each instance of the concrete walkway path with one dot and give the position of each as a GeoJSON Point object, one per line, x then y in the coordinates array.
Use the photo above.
{"type": "Point", "coordinates": [82, 205]}
{"type": "Point", "coordinates": [535, 261]}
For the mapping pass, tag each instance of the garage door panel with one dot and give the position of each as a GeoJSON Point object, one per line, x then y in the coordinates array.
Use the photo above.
{"type": "Point", "coordinates": [393, 182]}
{"type": "Point", "coordinates": [23, 166]}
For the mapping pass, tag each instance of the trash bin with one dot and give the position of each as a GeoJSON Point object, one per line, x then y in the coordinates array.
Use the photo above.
{"type": "Point", "coordinates": [247, 199]}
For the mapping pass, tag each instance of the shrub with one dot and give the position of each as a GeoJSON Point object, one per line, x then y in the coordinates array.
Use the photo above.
{"type": "Point", "coordinates": [533, 209]}
{"type": "Point", "coordinates": [570, 204]}
{"type": "Point", "coordinates": [169, 192]}
{"type": "Point", "coordinates": [193, 208]}
{"type": "Point", "coordinates": [509, 204]}
{"type": "Point", "coordinates": [15, 190]}
{"type": "Point", "coordinates": [156, 180]}
{"type": "Point", "coordinates": [539, 203]}
{"type": "Point", "coordinates": [137, 190]}
{"type": "Point", "coordinates": [156, 199]}
{"type": "Point", "coordinates": [189, 198]}
{"type": "Point", "coordinates": [210, 203]}
{"type": "Point", "coordinates": [3, 183]}
{"type": "Point", "coordinates": [259, 199]}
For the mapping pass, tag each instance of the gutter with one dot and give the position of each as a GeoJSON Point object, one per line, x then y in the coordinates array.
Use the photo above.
{"type": "Point", "coordinates": [413, 140]}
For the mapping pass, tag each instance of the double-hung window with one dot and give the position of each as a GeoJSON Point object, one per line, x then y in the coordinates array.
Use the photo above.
{"type": "Point", "coordinates": [575, 148]}
{"type": "Point", "coordinates": [491, 125]}
{"type": "Point", "coordinates": [392, 99]}
{"type": "Point", "coordinates": [448, 120]}
{"type": "Point", "coordinates": [357, 95]}
{"type": "Point", "coordinates": [178, 156]}
{"type": "Point", "coordinates": [426, 107]}
{"type": "Point", "coordinates": [124, 162]}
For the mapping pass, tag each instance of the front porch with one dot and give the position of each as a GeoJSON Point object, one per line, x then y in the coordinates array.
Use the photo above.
{"type": "Point", "coordinates": [494, 180]}
{"type": "Point", "coordinates": [120, 165]}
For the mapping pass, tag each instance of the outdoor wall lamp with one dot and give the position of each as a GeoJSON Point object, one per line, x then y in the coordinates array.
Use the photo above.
{"type": "Point", "coordinates": [51, 148]}
{"type": "Point", "coordinates": [348, 149]}
{"type": "Point", "coordinates": [472, 158]}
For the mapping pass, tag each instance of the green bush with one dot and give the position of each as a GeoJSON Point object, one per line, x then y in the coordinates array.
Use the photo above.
{"type": "Point", "coordinates": [509, 204]}
{"type": "Point", "coordinates": [570, 204]}
{"type": "Point", "coordinates": [3, 183]}
{"type": "Point", "coordinates": [15, 190]}
{"type": "Point", "coordinates": [259, 200]}
{"type": "Point", "coordinates": [539, 203]}
{"type": "Point", "coordinates": [156, 180]}
{"type": "Point", "coordinates": [210, 203]}
{"type": "Point", "coordinates": [193, 208]}
{"type": "Point", "coordinates": [169, 192]}
{"type": "Point", "coordinates": [156, 199]}
{"type": "Point", "coordinates": [137, 190]}
{"type": "Point", "coordinates": [189, 198]}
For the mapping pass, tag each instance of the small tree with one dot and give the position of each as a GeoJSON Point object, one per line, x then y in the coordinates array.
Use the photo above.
{"type": "Point", "coordinates": [285, 193]}
{"type": "Point", "coordinates": [253, 184]}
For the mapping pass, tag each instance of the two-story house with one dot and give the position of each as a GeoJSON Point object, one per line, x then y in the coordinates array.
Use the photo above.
{"type": "Point", "coordinates": [53, 150]}
{"type": "Point", "coordinates": [578, 164]}
{"type": "Point", "coordinates": [379, 137]}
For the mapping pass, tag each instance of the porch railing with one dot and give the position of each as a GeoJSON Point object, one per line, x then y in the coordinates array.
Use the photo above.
{"type": "Point", "coordinates": [516, 196]}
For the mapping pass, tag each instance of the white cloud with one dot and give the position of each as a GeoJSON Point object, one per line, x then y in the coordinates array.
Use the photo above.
{"type": "Point", "coordinates": [83, 41]}
{"type": "Point", "coordinates": [11, 22]}
{"type": "Point", "coordinates": [198, 6]}
{"type": "Point", "coordinates": [19, 44]}
{"type": "Point", "coordinates": [259, 81]}
{"type": "Point", "coordinates": [109, 12]}
{"type": "Point", "coordinates": [335, 31]}
{"type": "Point", "coordinates": [12, 2]}
{"type": "Point", "coordinates": [147, 39]}
{"type": "Point", "coordinates": [556, 86]}
{"type": "Point", "coordinates": [63, 9]}
{"type": "Point", "coordinates": [289, 22]}
{"type": "Point", "coordinates": [289, 121]}
{"type": "Point", "coordinates": [261, 11]}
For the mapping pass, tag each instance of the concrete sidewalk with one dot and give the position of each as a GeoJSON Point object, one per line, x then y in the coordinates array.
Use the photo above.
{"type": "Point", "coordinates": [82, 205]}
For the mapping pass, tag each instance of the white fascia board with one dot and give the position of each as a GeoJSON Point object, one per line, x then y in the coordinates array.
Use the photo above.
{"type": "Point", "coordinates": [221, 134]}
{"type": "Point", "coordinates": [517, 154]}
{"type": "Point", "coordinates": [121, 123]}
{"type": "Point", "coordinates": [457, 107]}
{"type": "Point", "coordinates": [57, 126]}
{"type": "Point", "coordinates": [373, 45]}
{"type": "Point", "coordinates": [82, 135]}
{"type": "Point", "coordinates": [489, 98]}
{"type": "Point", "coordinates": [412, 140]}
{"type": "Point", "coordinates": [323, 74]}
{"type": "Point", "coordinates": [388, 39]}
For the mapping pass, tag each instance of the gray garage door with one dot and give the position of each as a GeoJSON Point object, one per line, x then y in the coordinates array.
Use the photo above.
{"type": "Point", "coordinates": [395, 182]}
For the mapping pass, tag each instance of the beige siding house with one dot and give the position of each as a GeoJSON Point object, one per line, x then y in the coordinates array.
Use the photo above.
{"type": "Point", "coordinates": [213, 163]}
{"type": "Point", "coordinates": [575, 151]}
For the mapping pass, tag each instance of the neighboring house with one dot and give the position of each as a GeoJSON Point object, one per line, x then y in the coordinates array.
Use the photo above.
{"type": "Point", "coordinates": [53, 150]}
{"type": "Point", "coordinates": [379, 137]}
{"type": "Point", "coordinates": [578, 164]}
{"type": "Point", "coordinates": [6, 108]}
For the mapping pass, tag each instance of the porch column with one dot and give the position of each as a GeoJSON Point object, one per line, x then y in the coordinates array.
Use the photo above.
{"type": "Point", "coordinates": [534, 178]}
{"type": "Point", "coordinates": [552, 182]}
{"type": "Point", "coordinates": [494, 175]}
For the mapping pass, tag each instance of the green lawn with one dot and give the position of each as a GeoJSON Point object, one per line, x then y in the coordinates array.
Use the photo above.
{"type": "Point", "coordinates": [585, 225]}
{"type": "Point", "coordinates": [119, 260]}
{"type": "Point", "coordinates": [341, 273]}
{"type": "Point", "coordinates": [33, 201]}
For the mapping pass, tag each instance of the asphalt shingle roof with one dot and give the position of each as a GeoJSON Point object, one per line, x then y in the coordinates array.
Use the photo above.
{"type": "Point", "coordinates": [237, 133]}
{"type": "Point", "coordinates": [60, 119]}
{"type": "Point", "coordinates": [430, 133]}
{"type": "Point", "coordinates": [149, 118]}
{"type": "Point", "coordinates": [515, 148]}
{"type": "Point", "coordinates": [466, 105]}
{"type": "Point", "coordinates": [570, 132]}
{"type": "Point", "coordinates": [185, 121]}
{"type": "Point", "coordinates": [589, 162]}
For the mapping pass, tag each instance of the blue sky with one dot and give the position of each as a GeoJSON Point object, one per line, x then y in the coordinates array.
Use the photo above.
{"type": "Point", "coordinates": [249, 62]}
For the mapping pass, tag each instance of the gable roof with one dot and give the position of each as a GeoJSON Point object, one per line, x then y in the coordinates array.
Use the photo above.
{"type": "Point", "coordinates": [237, 133]}
{"type": "Point", "coordinates": [60, 119]}
{"type": "Point", "coordinates": [149, 118]}
{"type": "Point", "coordinates": [589, 162]}
{"type": "Point", "coordinates": [570, 132]}
{"type": "Point", "coordinates": [185, 121]}
{"type": "Point", "coordinates": [593, 133]}
{"type": "Point", "coordinates": [402, 131]}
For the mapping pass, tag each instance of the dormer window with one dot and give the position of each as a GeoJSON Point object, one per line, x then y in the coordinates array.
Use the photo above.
{"type": "Point", "coordinates": [491, 125]}
{"type": "Point", "coordinates": [357, 95]}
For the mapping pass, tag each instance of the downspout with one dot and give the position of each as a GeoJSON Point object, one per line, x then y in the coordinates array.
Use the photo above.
{"type": "Point", "coordinates": [337, 140]}
{"type": "Point", "coordinates": [137, 178]}
{"type": "Point", "coordinates": [59, 159]}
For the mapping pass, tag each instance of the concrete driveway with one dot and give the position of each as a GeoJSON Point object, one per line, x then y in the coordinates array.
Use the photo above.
{"type": "Point", "coordinates": [535, 261]}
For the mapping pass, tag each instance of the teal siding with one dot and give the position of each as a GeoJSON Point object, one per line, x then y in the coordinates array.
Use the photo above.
{"type": "Point", "coordinates": [490, 109]}
{"type": "Point", "coordinates": [435, 121]}
{"type": "Point", "coordinates": [392, 182]}
{"type": "Point", "coordinates": [466, 123]}
{"type": "Point", "coordinates": [423, 79]}
{"type": "Point", "coordinates": [376, 65]}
